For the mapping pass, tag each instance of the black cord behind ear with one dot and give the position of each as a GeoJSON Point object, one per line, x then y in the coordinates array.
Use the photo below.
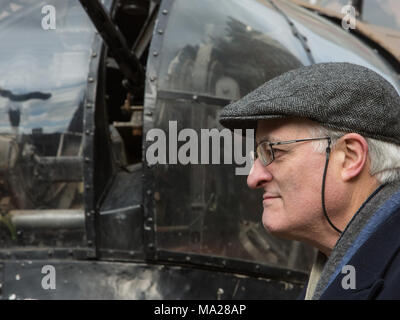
{"type": "Point", "coordinates": [328, 152]}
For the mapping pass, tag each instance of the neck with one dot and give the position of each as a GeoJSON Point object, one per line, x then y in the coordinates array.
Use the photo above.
{"type": "Point", "coordinates": [357, 196]}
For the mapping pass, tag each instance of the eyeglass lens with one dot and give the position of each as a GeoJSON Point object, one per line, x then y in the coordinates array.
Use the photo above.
{"type": "Point", "coordinates": [265, 153]}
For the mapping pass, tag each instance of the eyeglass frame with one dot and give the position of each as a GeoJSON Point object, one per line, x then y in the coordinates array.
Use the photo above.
{"type": "Point", "coordinates": [271, 144]}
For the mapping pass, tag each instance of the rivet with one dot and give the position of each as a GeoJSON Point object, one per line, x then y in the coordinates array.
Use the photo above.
{"type": "Point", "coordinates": [160, 31]}
{"type": "Point", "coordinates": [94, 54]}
{"type": "Point", "coordinates": [155, 53]}
{"type": "Point", "coordinates": [90, 79]}
{"type": "Point", "coordinates": [165, 11]}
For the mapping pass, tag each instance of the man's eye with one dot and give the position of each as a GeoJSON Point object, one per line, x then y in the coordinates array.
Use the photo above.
{"type": "Point", "coordinates": [278, 152]}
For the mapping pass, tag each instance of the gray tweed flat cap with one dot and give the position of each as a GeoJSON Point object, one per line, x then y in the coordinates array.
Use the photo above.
{"type": "Point", "coordinates": [340, 96]}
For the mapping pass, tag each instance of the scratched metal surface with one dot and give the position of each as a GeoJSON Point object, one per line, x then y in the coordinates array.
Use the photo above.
{"type": "Point", "coordinates": [105, 280]}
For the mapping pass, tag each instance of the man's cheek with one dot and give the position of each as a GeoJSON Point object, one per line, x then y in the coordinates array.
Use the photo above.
{"type": "Point", "coordinates": [290, 184]}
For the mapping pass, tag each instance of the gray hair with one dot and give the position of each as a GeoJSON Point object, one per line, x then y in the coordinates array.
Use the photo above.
{"type": "Point", "coordinates": [384, 156]}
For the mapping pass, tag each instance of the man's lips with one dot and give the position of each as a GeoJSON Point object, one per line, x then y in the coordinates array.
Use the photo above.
{"type": "Point", "coordinates": [267, 196]}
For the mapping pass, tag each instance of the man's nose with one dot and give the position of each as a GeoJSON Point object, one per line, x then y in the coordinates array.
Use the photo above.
{"type": "Point", "coordinates": [258, 176]}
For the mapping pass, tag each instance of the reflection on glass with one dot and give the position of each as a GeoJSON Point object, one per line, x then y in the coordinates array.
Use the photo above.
{"type": "Point", "coordinates": [227, 51]}
{"type": "Point", "coordinates": [33, 59]}
{"type": "Point", "coordinates": [384, 13]}
{"type": "Point", "coordinates": [222, 52]}
{"type": "Point", "coordinates": [42, 82]}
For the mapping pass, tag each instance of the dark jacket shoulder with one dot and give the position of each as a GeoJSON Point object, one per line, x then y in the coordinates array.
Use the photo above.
{"type": "Point", "coordinates": [375, 267]}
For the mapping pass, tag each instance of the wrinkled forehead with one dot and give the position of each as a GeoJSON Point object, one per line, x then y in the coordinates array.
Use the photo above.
{"type": "Point", "coordinates": [274, 130]}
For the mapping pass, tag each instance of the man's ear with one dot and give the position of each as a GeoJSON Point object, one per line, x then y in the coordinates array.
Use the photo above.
{"type": "Point", "coordinates": [354, 150]}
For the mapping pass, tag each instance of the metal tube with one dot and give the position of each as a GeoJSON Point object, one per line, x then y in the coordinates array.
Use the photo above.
{"type": "Point", "coordinates": [48, 219]}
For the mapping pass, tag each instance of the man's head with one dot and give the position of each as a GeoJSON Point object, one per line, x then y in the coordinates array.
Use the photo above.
{"type": "Point", "coordinates": [292, 182]}
{"type": "Point", "coordinates": [353, 106]}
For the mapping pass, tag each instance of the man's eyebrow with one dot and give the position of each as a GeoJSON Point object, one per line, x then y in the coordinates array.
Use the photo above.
{"type": "Point", "coordinates": [269, 139]}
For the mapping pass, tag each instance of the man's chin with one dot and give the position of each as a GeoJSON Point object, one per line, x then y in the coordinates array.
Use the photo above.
{"type": "Point", "coordinates": [271, 220]}
{"type": "Point", "coordinates": [278, 230]}
{"type": "Point", "coordinates": [273, 229]}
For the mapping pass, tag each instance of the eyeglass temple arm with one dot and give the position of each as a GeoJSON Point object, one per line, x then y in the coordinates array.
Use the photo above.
{"type": "Point", "coordinates": [299, 140]}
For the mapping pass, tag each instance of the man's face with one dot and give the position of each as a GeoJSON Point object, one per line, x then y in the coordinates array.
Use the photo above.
{"type": "Point", "coordinates": [292, 182]}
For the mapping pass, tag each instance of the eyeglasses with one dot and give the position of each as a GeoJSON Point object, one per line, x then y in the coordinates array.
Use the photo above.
{"type": "Point", "coordinates": [265, 150]}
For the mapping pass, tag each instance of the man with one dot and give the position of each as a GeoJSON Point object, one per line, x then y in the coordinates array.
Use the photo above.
{"type": "Point", "coordinates": [328, 162]}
